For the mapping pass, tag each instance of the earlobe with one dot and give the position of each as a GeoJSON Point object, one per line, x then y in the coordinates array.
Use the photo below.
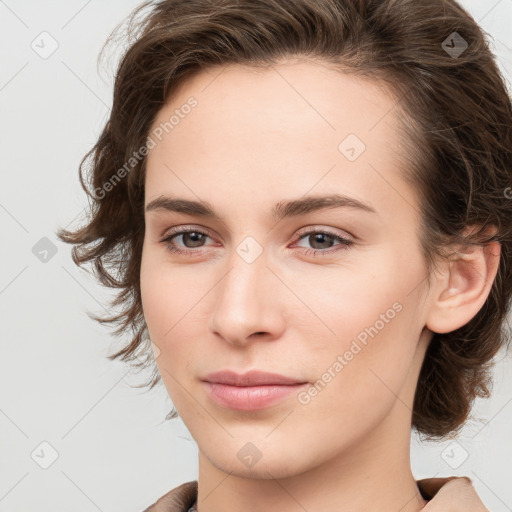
{"type": "Point", "coordinates": [463, 286]}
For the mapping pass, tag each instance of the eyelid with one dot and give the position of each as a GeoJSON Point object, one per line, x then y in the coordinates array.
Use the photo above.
{"type": "Point", "coordinates": [187, 227]}
{"type": "Point", "coordinates": [327, 230]}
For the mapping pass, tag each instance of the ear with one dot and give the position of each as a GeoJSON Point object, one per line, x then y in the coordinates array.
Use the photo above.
{"type": "Point", "coordinates": [463, 284]}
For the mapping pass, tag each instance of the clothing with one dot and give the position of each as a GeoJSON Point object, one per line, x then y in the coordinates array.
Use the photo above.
{"type": "Point", "coordinates": [453, 493]}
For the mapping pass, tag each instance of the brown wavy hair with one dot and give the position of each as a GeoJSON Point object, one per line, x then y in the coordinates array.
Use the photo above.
{"type": "Point", "coordinates": [456, 117]}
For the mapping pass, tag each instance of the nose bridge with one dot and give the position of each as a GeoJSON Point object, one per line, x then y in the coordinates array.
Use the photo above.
{"type": "Point", "coordinates": [245, 297]}
{"type": "Point", "coordinates": [248, 262]}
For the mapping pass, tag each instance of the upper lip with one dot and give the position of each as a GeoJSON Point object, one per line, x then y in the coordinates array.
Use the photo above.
{"type": "Point", "coordinates": [252, 378]}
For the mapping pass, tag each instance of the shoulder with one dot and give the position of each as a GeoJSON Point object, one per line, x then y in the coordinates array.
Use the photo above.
{"type": "Point", "coordinates": [179, 499]}
{"type": "Point", "coordinates": [450, 493]}
{"type": "Point", "coordinates": [456, 492]}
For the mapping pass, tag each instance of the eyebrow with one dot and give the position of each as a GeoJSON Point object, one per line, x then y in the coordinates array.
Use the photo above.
{"type": "Point", "coordinates": [281, 210]}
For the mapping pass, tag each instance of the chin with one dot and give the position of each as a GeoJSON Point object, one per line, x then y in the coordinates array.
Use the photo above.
{"type": "Point", "coordinates": [244, 460]}
{"type": "Point", "coordinates": [268, 470]}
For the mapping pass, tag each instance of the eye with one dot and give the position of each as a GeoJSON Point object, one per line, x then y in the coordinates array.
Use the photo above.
{"type": "Point", "coordinates": [322, 239]}
{"type": "Point", "coordinates": [190, 235]}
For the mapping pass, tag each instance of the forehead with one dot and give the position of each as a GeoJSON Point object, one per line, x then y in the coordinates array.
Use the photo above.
{"type": "Point", "coordinates": [310, 91]}
{"type": "Point", "coordinates": [286, 129]}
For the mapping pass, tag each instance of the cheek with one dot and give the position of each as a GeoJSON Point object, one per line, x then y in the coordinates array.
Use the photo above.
{"type": "Point", "coordinates": [376, 324]}
{"type": "Point", "coordinates": [162, 312]}
{"type": "Point", "coordinates": [166, 295]}
{"type": "Point", "coordinates": [357, 384]}
{"type": "Point", "coordinates": [354, 302]}
{"type": "Point", "coordinates": [168, 299]}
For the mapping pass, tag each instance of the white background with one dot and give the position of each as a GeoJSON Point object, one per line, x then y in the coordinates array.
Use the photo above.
{"type": "Point", "coordinates": [115, 452]}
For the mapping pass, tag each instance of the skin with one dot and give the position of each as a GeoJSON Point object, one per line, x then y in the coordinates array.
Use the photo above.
{"type": "Point", "coordinates": [255, 138]}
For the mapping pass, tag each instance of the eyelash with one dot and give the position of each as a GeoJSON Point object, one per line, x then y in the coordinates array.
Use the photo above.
{"type": "Point", "coordinates": [344, 243]}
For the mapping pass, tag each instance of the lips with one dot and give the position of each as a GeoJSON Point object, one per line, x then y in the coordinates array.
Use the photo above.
{"type": "Point", "coordinates": [250, 391]}
{"type": "Point", "coordinates": [252, 378]}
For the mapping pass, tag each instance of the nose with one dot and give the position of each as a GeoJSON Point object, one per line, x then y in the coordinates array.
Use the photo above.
{"type": "Point", "coordinates": [249, 302]}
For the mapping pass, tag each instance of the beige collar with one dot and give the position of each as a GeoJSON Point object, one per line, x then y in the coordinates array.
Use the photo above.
{"type": "Point", "coordinates": [451, 493]}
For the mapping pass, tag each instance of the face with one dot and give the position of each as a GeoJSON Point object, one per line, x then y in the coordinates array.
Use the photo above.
{"type": "Point", "coordinates": [333, 298]}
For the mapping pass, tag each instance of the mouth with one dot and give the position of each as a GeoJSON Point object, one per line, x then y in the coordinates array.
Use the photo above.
{"type": "Point", "coordinates": [253, 390]}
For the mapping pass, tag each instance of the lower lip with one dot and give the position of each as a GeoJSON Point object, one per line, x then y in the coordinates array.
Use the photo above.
{"type": "Point", "coordinates": [250, 398]}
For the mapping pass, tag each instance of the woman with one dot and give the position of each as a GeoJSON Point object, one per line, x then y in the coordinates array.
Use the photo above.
{"type": "Point", "coordinates": [304, 206]}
